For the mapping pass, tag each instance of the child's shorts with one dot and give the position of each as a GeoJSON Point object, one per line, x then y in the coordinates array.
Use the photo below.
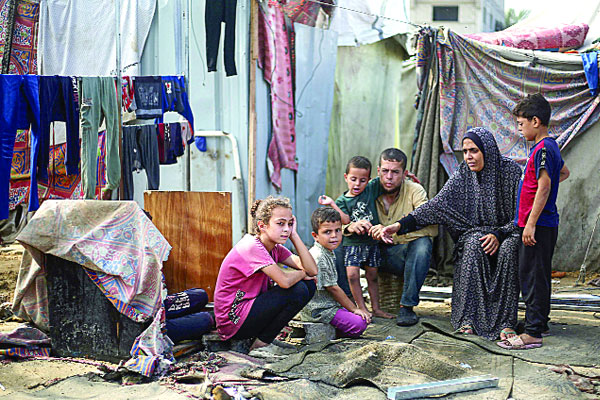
{"type": "Point", "coordinates": [362, 255]}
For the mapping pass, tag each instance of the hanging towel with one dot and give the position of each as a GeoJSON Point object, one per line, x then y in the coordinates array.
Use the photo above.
{"type": "Point", "coordinates": [87, 30]}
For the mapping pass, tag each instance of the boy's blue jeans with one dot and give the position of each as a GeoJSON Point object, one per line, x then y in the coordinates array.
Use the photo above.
{"type": "Point", "coordinates": [410, 260]}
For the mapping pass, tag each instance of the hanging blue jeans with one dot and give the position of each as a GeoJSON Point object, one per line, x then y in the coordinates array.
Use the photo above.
{"type": "Point", "coordinates": [57, 103]}
{"type": "Point", "coordinates": [19, 108]}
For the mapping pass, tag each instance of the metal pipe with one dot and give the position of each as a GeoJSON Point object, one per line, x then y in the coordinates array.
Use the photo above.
{"type": "Point", "coordinates": [186, 75]}
{"type": "Point", "coordinates": [119, 89]}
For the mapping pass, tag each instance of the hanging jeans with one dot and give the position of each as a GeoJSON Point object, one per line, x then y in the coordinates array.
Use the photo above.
{"type": "Point", "coordinates": [218, 11]}
{"type": "Point", "coordinates": [140, 151]}
{"type": "Point", "coordinates": [57, 103]}
{"type": "Point", "coordinates": [99, 98]}
{"type": "Point", "coordinates": [19, 108]}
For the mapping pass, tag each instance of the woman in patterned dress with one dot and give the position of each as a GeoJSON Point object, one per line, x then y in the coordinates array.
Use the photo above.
{"type": "Point", "coordinates": [477, 205]}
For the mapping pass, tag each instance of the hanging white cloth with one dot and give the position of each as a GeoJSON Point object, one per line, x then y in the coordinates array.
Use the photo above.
{"type": "Point", "coordinates": [363, 26]}
{"type": "Point", "coordinates": [78, 37]}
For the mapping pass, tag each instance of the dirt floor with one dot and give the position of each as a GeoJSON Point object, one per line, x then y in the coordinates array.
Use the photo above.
{"type": "Point", "coordinates": [10, 259]}
{"type": "Point", "coordinates": [77, 380]}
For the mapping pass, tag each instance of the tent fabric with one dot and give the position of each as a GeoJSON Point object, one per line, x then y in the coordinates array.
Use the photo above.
{"type": "Point", "coordinates": [122, 252]}
{"type": "Point", "coordinates": [480, 84]}
{"type": "Point", "coordinates": [486, 78]}
{"type": "Point", "coordinates": [365, 26]}
{"type": "Point", "coordinates": [66, 24]}
{"type": "Point", "coordinates": [366, 116]}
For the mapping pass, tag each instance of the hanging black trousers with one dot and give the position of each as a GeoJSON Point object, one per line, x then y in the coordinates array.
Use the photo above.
{"type": "Point", "coordinates": [218, 11]}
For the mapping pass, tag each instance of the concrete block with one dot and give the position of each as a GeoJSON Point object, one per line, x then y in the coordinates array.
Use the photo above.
{"type": "Point", "coordinates": [315, 332]}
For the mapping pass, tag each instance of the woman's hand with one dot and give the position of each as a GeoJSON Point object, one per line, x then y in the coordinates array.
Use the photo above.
{"type": "Point", "coordinates": [490, 244]}
{"type": "Point", "coordinates": [388, 232]}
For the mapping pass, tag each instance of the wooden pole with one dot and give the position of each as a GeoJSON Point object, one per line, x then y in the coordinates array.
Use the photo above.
{"type": "Point", "coordinates": [252, 109]}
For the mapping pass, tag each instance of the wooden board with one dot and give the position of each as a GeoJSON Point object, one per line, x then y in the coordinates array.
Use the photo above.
{"type": "Point", "coordinates": [198, 225]}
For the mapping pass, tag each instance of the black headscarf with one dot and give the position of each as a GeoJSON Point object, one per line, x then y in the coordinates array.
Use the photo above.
{"type": "Point", "coordinates": [484, 199]}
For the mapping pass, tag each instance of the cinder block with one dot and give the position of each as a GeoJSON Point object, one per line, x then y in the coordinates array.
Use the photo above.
{"type": "Point", "coordinates": [315, 331]}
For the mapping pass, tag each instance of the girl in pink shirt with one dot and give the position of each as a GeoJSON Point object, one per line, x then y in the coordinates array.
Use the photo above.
{"type": "Point", "coordinates": [247, 305]}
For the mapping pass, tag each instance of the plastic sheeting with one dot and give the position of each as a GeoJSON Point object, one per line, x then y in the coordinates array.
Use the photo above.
{"type": "Point", "coordinates": [364, 25]}
{"type": "Point", "coordinates": [87, 30]}
{"type": "Point", "coordinates": [315, 65]}
{"type": "Point", "coordinates": [372, 107]}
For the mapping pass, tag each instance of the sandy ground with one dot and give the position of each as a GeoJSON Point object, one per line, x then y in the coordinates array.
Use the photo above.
{"type": "Point", "coordinates": [10, 259]}
{"type": "Point", "coordinates": [44, 378]}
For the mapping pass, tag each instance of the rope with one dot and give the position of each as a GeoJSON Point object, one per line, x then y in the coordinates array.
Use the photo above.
{"type": "Point", "coordinates": [365, 13]}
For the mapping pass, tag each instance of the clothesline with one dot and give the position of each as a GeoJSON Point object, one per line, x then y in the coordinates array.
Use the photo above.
{"type": "Point", "coordinates": [58, 98]}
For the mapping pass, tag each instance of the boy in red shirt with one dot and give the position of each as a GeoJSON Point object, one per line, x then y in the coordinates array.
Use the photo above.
{"type": "Point", "coordinates": [537, 217]}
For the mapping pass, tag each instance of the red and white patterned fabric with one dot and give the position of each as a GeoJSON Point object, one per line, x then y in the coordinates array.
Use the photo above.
{"type": "Point", "coordinates": [275, 60]}
{"type": "Point", "coordinates": [558, 37]}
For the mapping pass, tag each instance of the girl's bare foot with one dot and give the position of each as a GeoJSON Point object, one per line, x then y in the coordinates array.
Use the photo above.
{"type": "Point", "coordinates": [383, 314]}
